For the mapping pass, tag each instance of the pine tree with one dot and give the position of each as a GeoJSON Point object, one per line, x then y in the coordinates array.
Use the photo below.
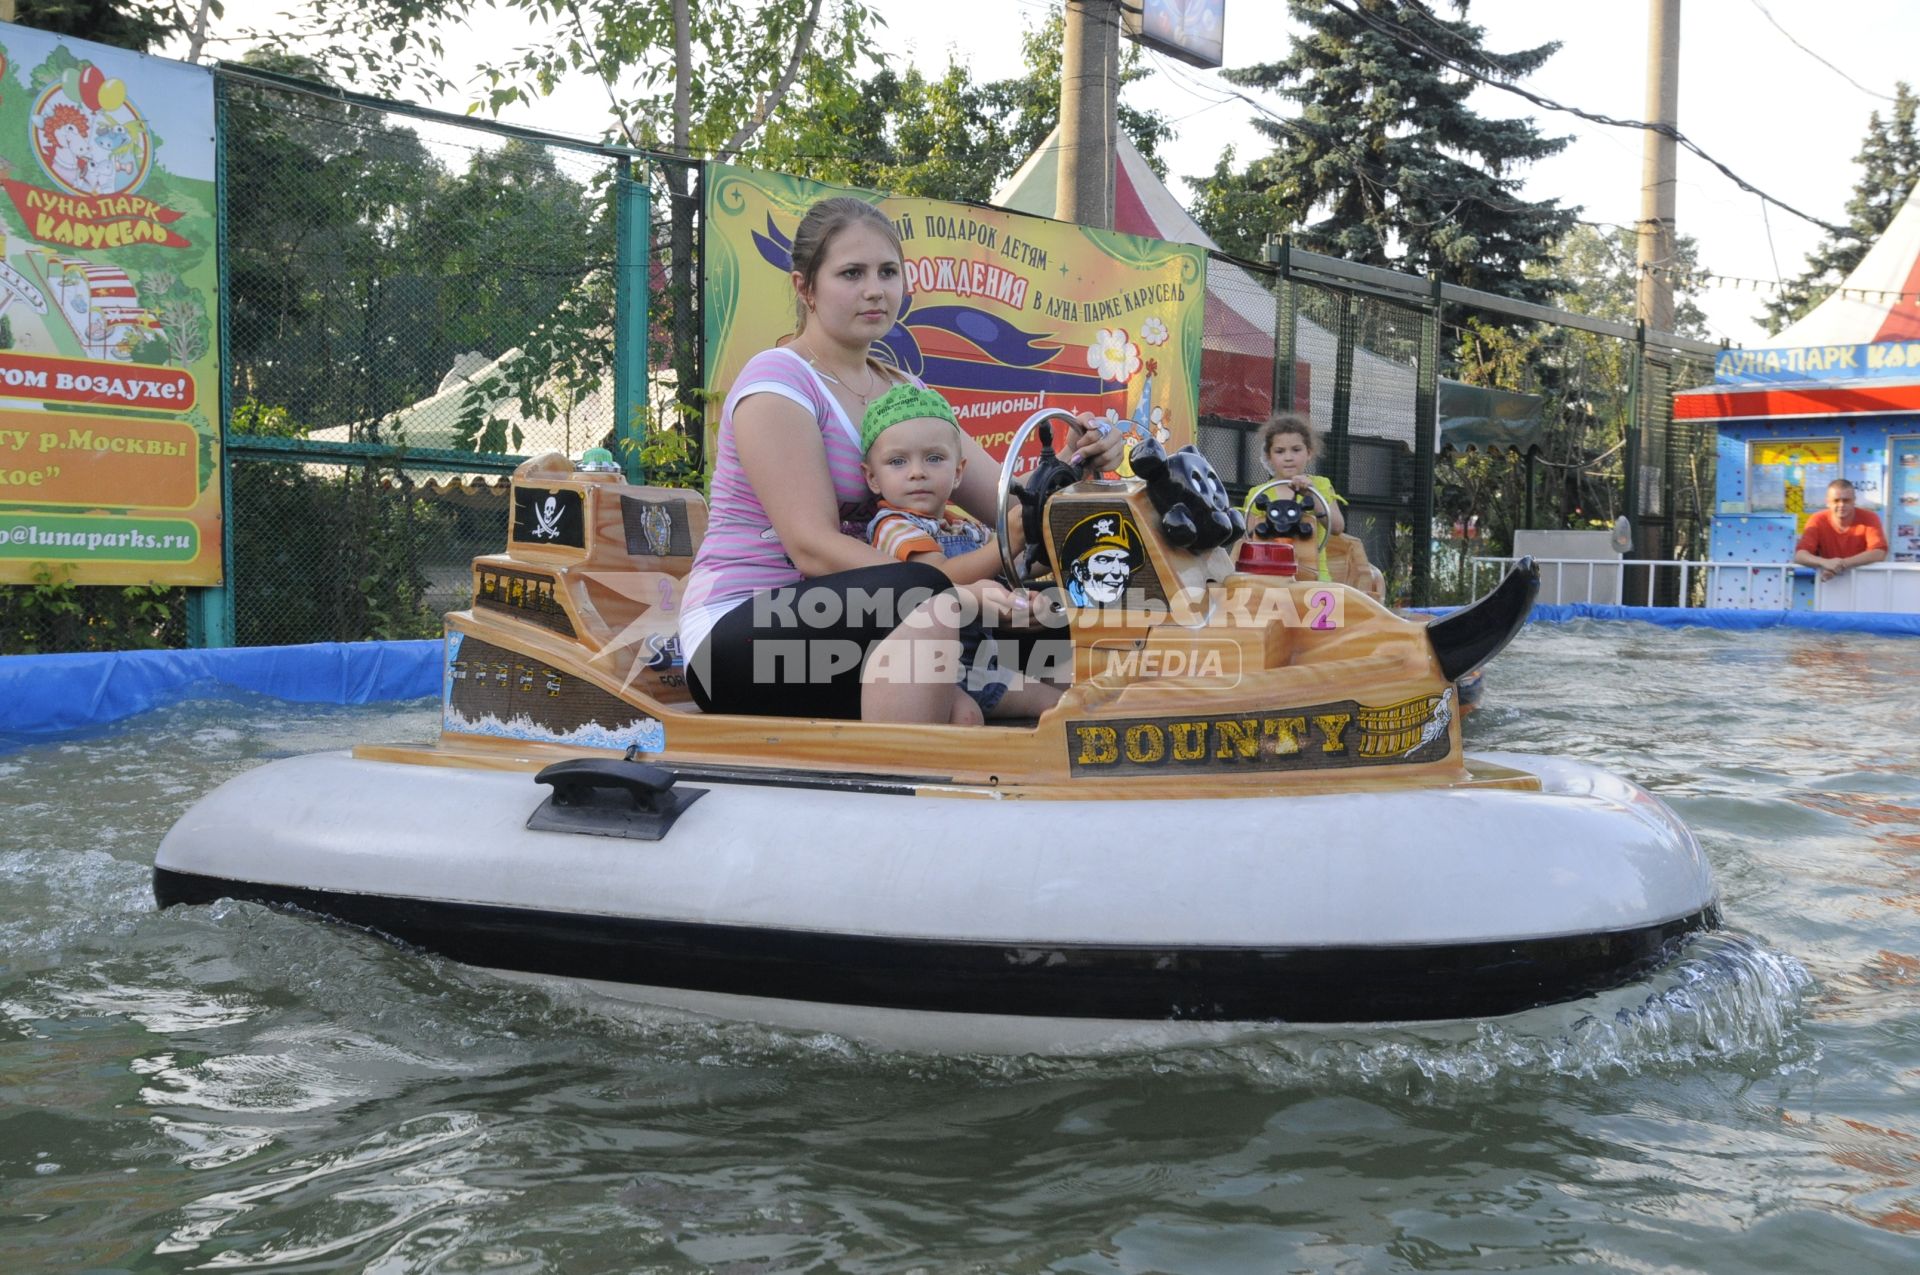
{"type": "Point", "coordinates": [1889, 160]}
{"type": "Point", "coordinates": [1386, 152]}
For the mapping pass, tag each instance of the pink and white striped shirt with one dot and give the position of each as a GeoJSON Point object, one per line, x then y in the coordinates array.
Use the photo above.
{"type": "Point", "coordinates": [741, 553]}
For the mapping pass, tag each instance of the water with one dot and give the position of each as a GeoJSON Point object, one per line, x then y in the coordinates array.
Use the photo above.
{"type": "Point", "coordinates": [227, 1088]}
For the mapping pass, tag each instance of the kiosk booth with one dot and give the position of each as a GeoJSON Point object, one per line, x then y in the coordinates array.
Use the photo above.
{"type": "Point", "coordinates": [1836, 396]}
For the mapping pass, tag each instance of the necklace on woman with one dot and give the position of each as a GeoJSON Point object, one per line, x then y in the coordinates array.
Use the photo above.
{"type": "Point", "coordinates": [873, 378]}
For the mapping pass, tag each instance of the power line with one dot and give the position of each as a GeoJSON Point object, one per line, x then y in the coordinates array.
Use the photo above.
{"type": "Point", "coordinates": [1398, 32]}
{"type": "Point", "coordinates": [1817, 58]}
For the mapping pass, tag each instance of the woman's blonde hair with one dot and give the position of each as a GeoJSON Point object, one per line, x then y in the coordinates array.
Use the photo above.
{"type": "Point", "coordinates": [816, 233]}
{"type": "Point", "coordinates": [1288, 423]}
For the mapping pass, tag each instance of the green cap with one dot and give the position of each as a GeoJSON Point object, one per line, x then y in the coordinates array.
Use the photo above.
{"type": "Point", "coordinates": [596, 454]}
{"type": "Point", "coordinates": [902, 403]}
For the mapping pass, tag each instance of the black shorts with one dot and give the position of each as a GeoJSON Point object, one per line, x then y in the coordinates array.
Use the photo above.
{"type": "Point", "coordinates": [798, 651]}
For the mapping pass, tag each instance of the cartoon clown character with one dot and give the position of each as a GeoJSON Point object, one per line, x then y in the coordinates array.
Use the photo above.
{"type": "Point", "coordinates": [1102, 551]}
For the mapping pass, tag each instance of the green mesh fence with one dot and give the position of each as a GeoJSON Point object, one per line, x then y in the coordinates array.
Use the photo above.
{"type": "Point", "coordinates": [401, 280]}
{"type": "Point", "coordinates": [1371, 428]}
{"type": "Point", "coordinates": [409, 286]}
{"type": "Point", "coordinates": [1561, 467]}
{"type": "Point", "coordinates": [304, 529]}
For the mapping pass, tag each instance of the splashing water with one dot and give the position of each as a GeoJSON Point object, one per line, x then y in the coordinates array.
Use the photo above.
{"type": "Point", "coordinates": [232, 1087]}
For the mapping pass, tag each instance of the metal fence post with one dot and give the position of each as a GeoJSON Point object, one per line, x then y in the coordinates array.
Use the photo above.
{"type": "Point", "coordinates": [1426, 429]}
{"type": "Point", "coordinates": [1286, 323]}
{"type": "Point", "coordinates": [1630, 457]}
{"type": "Point", "coordinates": [632, 226]}
{"type": "Point", "coordinates": [210, 611]}
{"type": "Point", "coordinates": [1339, 462]}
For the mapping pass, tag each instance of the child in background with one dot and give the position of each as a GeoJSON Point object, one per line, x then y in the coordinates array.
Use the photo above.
{"type": "Point", "coordinates": [1288, 446]}
{"type": "Point", "coordinates": [913, 463]}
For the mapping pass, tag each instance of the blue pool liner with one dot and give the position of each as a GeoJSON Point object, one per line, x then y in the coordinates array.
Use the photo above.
{"type": "Point", "coordinates": [1881, 622]}
{"type": "Point", "coordinates": [46, 696]}
{"type": "Point", "coordinates": [43, 696]}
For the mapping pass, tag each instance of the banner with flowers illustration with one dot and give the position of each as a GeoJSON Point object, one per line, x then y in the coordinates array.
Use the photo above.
{"type": "Point", "coordinates": [1003, 313]}
{"type": "Point", "coordinates": [109, 292]}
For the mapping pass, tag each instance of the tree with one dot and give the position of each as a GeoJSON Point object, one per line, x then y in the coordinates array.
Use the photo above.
{"type": "Point", "coordinates": [1240, 210]}
{"type": "Point", "coordinates": [325, 306]}
{"type": "Point", "coordinates": [140, 25]}
{"type": "Point", "coordinates": [1030, 104]}
{"type": "Point", "coordinates": [1386, 164]}
{"type": "Point", "coordinates": [1595, 272]}
{"type": "Point", "coordinates": [943, 136]}
{"type": "Point", "coordinates": [894, 131]}
{"type": "Point", "coordinates": [1889, 160]}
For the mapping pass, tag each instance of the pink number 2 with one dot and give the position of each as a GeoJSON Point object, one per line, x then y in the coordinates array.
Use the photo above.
{"type": "Point", "coordinates": [1320, 605]}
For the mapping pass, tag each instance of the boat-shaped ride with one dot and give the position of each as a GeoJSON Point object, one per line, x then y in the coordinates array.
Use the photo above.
{"type": "Point", "coordinates": [1250, 806]}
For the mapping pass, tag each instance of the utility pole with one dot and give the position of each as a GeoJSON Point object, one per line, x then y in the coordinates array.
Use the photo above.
{"type": "Point", "coordinates": [1657, 168]}
{"type": "Point", "coordinates": [1089, 111]}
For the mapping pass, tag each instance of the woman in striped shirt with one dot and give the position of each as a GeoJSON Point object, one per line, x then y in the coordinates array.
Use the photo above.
{"type": "Point", "coordinates": [787, 610]}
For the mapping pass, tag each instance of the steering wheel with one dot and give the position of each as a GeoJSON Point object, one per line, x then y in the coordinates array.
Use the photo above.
{"type": "Point", "coordinates": [1281, 517]}
{"type": "Point", "coordinates": [1049, 476]}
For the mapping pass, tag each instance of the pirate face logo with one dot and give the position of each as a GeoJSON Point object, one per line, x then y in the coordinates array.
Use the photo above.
{"type": "Point", "coordinates": [1102, 552]}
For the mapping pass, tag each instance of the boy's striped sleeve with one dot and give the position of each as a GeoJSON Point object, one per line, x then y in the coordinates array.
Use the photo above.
{"type": "Point", "coordinates": [898, 537]}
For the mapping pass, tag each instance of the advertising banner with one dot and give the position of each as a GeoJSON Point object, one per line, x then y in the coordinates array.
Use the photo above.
{"type": "Point", "coordinates": [109, 287]}
{"type": "Point", "coordinates": [1004, 313]}
{"type": "Point", "coordinates": [1878, 360]}
{"type": "Point", "coordinates": [1192, 30]}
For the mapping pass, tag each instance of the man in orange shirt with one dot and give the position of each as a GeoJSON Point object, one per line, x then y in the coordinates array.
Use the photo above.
{"type": "Point", "coordinates": [1840, 536]}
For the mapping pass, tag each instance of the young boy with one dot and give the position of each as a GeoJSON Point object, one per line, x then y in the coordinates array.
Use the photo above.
{"type": "Point", "coordinates": [1288, 446]}
{"type": "Point", "coordinates": [913, 463]}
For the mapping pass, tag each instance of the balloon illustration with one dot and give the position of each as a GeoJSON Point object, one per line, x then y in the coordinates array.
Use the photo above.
{"type": "Point", "coordinates": [70, 82]}
{"type": "Point", "coordinates": [112, 95]}
{"type": "Point", "coordinates": [90, 81]}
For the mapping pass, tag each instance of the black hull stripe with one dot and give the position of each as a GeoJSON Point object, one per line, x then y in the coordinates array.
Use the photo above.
{"type": "Point", "coordinates": [1144, 983]}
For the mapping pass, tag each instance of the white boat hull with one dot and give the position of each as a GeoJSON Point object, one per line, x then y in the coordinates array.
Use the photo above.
{"type": "Point", "coordinates": [984, 924]}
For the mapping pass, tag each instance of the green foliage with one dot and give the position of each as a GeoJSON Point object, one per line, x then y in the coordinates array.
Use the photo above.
{"type": "Point", "coordinates": [665, 448]}
{"type": "Point", "coordinates": [1597, 273]}
{"type": "Point", "coordinates": [1889, 162]}
{"type": "Point", "coordinates": [1030, 103]}
{"type": "Point", "coordinates": [740, 55]}
{"type": "Point", "coordinates": [1386, 164]}
{"type": "Point", "coordinates": [264, 421]}
{"type": "Point", "coordinates": [944, 137]}
{"type": "Point", "coordinates": [52, 614]}
{"type": "Point", "coordinates": [1241, 209]}
{"type": "Point", "coordinates": [141, 25]}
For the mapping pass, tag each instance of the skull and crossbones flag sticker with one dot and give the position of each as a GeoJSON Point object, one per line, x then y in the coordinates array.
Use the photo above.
{"type": "Point", "coordinates": [543, 516]}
